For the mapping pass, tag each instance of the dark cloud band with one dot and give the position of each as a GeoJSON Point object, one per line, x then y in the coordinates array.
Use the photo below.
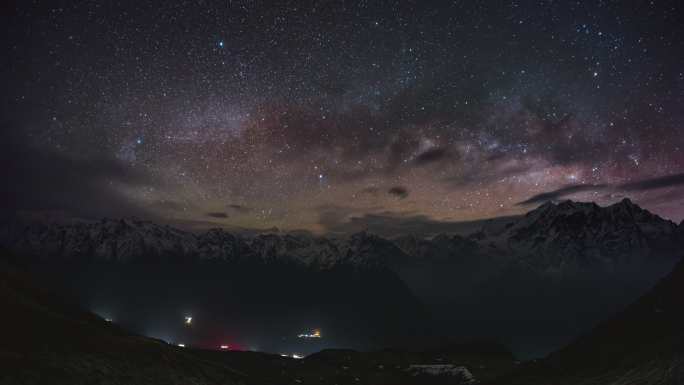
{"type": "Point", "coordinates": [674, 180]}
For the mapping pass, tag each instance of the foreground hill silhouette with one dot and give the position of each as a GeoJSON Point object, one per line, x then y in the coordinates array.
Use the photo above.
{"type": "Point", "coordinates": [46, 341]}
{"type": "Point", "coordinates": [253, 292]}
{"type": "Point", "coordinates": [644, 344]}
{"type": "Point", "coordinates": [43, 340]}
{"type": "Point", "coordinates": [535, 281]}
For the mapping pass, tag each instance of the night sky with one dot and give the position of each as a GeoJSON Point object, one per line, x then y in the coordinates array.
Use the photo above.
{"type": "Point", "coordinates": [326, 116]}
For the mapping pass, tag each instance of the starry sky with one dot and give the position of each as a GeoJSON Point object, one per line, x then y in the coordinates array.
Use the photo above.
{"type": "Point", "coordinates": [332, 116]}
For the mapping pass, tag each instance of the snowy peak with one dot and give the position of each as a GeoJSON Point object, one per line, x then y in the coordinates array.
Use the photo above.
{"type": "Point", "coordinates": [564, 232]}
{"type": "Point", "coordinates": [299, 249]}
{"type": "Point", "coordinates": [441, 247]}
{"type": "Point", "coordinates": [369, 250]}
{"type": "Point", "coordinates": [569, 232]}
{"type": "Point", "coordinates": [219, 245]}
{"type": "Point", "coordinates": [131, 239]}
{"type": "Point", "coordinates": [579, 219]}
{"type": "Point", "coordinates": [112, 240]}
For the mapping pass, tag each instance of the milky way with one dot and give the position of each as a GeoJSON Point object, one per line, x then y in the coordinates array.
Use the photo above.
{"type": "Point", "coordinates": [325, 115]}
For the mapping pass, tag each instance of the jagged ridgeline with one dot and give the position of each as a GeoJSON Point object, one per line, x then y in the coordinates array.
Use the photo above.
{"type": "Point", "coordinates": [258, 292]}
{"type": "Point", "coordinates": [534, 282]}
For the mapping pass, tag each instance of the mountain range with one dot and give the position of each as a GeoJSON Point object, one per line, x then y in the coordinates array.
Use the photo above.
{"type": "Point", "coordinates": [554, 238]}
{"type": "Point", "coordinates": [547, 265]}
{"type": "Point", "coordinates": [45, 340]}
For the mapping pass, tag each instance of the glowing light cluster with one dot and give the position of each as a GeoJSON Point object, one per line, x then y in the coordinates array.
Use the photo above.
{"type": "Point", "coordinates": [315, 334]}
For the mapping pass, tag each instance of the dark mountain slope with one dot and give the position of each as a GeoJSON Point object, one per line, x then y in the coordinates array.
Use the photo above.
{"type": "Point", "coordinates": [45, 341]}
{"type": "Point", "coordinates": [535, 281]}
{"type": "Point", "coordinates": [258, 292]}
{"type": "Point", "coordinates": [644, 344]}
{"type": "Point", "coordinates": [543, 278]}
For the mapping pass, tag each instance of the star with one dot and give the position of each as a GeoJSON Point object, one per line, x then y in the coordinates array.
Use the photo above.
{"type": "Point", "coordinates": [504, 101]}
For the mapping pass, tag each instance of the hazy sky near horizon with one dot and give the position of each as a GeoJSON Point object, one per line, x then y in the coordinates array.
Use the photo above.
{"type": "Point", "coordinates": [323, 115]}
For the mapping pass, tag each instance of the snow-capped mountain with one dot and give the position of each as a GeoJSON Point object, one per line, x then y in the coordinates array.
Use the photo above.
{"type": "Point", "coordinates": [546, 265]}
{"type": "Point", "coordinates": [218, 245]}
{"type": "Point", "coordinates": [144, 274]}
{"type": "Point", "coordinates": [128, 240]}
{"type": "Point", "coordinates": [553, 236]}
{"type": "Point", "coordinates": [574, 235]}
{"type": "Point", "coordinates": [441, 247]}
{"type": "Point", "coordinates": [107, 240]}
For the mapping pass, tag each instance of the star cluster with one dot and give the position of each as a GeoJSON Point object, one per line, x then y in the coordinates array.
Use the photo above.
{"type": "Point", "coordinates": [321, 115]}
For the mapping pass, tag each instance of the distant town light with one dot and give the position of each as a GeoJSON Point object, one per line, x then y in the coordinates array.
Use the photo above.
{"type": "Point", "coordinates": [181, 345]}
{"type": "Point", "coordinates": [224, 347]}
{"type": "Point", "coordinates": [188, 320]}
{"type": "Point", "coordinates": [315, 334]}
{"type": "Point", "coordinates": [108, 319]}
{"type": "Point", "coordinates": [293, 355]}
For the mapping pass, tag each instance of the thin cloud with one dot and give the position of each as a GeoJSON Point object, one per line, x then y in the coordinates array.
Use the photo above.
{"type": "Point", "coordinates": [560, 193]}
{"type": "Point", "coordinates": [392, 224]}
{"type": "Point", "coordinates": [666, 181]}
{"type": "Point", "coordinates": [430, 156]}
{"type": "Point", "coordinates": [81, 187]}
{"type": "Point", "coordinates": [240, 209]}
{"type": "Point", "coordinates": [654, 183]}
{"type": "Point", "coordinates": [400, 192]}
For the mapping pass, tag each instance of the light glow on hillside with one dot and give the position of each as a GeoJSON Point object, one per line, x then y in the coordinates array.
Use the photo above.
{"type": "Point", "coordinates": [315, 334]}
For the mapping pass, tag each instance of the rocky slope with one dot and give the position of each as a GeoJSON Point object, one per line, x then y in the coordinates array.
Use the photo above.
{"type": "Point", "coordinates": [643, 344]}
{"type": "Point", "coordinates": [544, 277]}
{"type": "Point", "coordinates": [46, 341]}
{"type": "Point", "coordinates": [264, 288]}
